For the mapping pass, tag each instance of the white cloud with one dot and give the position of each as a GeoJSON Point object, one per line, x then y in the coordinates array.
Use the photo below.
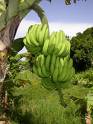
{"type": "Point", "coordinates": [70, 29]}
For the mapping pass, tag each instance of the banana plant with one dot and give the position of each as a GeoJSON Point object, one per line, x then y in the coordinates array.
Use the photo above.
{"type": "Point", "coordinates": [11, 14]}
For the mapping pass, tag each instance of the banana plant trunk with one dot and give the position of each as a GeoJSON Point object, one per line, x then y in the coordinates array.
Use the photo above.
{"type": "Point", "coordinates": [88, 118]}
{"type": "Point", "coordinates": [6, 37]}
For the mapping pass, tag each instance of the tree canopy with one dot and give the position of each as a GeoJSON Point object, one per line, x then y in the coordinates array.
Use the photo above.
{"type": "Point", "coordinates": [82, 49]}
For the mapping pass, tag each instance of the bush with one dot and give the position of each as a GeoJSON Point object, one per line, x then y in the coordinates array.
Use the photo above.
{"type": "Point", "coordinates": [82, 50]}
{"type": "Point", "coordinates": [84, 79]}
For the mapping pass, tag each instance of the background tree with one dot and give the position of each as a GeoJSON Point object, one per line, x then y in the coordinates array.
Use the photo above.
{"type": "Point", "coordinates": [82, 49]}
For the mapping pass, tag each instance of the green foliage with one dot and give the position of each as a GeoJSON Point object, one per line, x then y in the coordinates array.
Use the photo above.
{"type": "Point", "coordinates": [36, 104]}
{"type": "Point", "coordinates": [89, 99]}
{"type": "Point", "coordinates": [82, 50]}
{"type": "Point", "coordinates": [17, 46]}
{"type": "Point", "coordinates": [84, 79]}
{"type": "Point", "coordinates": [31, 99]}
{"type": "Point", "coordinates": [35, 100]}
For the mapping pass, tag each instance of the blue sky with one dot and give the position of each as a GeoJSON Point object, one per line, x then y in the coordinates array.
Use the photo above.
{"type": "Point", "coordinates": [57, 11]}
{"type": "Point", "coordinates": [72, 19]}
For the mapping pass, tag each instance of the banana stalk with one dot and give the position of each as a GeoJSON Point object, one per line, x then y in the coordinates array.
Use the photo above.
{"type": "Point", "coordinates": [60, 93]}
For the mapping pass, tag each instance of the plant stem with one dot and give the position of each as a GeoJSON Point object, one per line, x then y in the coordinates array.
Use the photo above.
{"type": "Point", "coordinates": [60, 93]}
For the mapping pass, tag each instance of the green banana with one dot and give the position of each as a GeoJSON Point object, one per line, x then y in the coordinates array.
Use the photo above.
{"type": "Point", "coordinates": [64, 70]}
{"type": "Point", "coordinates": [30, 46]}
{"type": "Point", "coordinates": [62, 49]}
{"type": "Point", "coordinates": [29, 41]}
{"type": "Point", "coordinates": [32, 29]}
{"type": "Point", "coordinates": [28, 33]}
{"type": "Point", "coordinates": [25, 42]}
{"type": "Point", "coordinates": [61, 64]}
{"type": "Point", "coordinates": [38, 32]}
{"type": "Point", "coordinates": [59, 43]}
{"type": "Point", "coordinates": [51, 43]}
{"type": "Point", "coordinates": [47, 63]}
{"type": "Point", "coordinates": [43, 33]}
{"type": "Point", "coordinates": [41, 60]}
{"type": "Point", "coordinates": [70, 66]}
{"type": "Point", "coordinates": [66, 75]}
{"type": "Point", "coordinates": [53, 62]}
{"type": "Point", "coordinates": [56, 43]}
{"type": "Point", "coordinates": [38, 61]}
{"type": "Point", "coordinates": [45, 47]}
{"type": "Point", "coordinates": [67, 51]}
{"type": "Point", "coordinates": [40, 71]}
{"type": "Point", "coordinates": [27, 38]}
{"type": "Point", "coordinates": [35, 69]}
{"type": "Point", "coordinates": [56, 71]}
{"type": "Point", "coordinates": [32, 35]}
{"type": "Point", "coordinates": [46, 35]}
{"type": "Point", "coordinates": [44, 71]}
{"type": "Point", "coordinates": [64, 41]}
{"type": "Point", "coordinates": [33, 40]}
{"type": "Point", "coordinates": [40, 39]}
{"type": "Point", "coordinates": [42, 65]}
{"type": "Point", "coordinates": [38, 64]}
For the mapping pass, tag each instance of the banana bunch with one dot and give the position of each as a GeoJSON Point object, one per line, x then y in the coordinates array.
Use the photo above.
{"type": "Point", "coordinates": [52, 52]}
{"type": "Point", "coordinates": [35, 38]}
{"type": "Point", "coordinates": [66, 70]}
{"type": "Point", "coordinates": [41, 67]}
{"type": "Point", "coordinates": [57, 44]}
{"type": "Point", "coordinates": [57, 68]}
{"type": "Point", "coordinates": [61, 69]}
